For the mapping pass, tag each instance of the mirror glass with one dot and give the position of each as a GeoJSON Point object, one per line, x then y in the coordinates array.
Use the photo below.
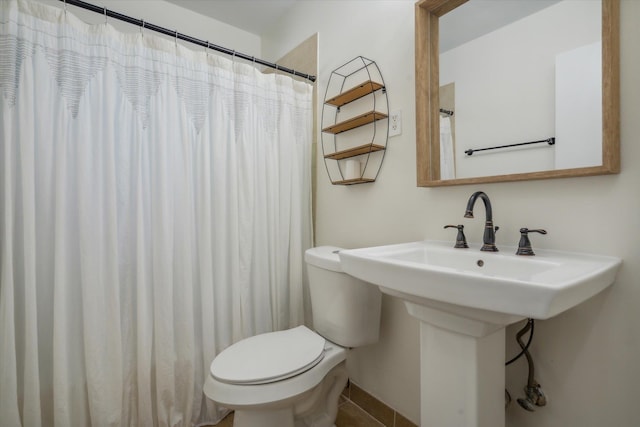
{"type": "Point", "coordinates": [519, 92]}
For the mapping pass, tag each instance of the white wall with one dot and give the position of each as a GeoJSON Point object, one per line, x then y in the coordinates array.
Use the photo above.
{"type": "Point", "coordinates": [587, 359]}
{"type": "Point", "coordinates": [173, 17]}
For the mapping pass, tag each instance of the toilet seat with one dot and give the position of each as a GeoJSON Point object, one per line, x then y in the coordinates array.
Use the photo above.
{"type": "Point", "coordinates": [270, 357]}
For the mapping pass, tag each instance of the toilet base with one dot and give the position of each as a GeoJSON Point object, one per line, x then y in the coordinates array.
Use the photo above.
{"type": "Point", "coordinates": [268, 417]}
{"type": "Point", "coordinates": [281, 418]}
{"type": "Point", "coordinates": [317, 407]}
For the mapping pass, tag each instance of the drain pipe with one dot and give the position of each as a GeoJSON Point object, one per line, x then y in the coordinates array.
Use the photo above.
{"type": "Point", "coordinates": [533, 392]}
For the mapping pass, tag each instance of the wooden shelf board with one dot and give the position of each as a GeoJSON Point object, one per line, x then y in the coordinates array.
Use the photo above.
{"type": "Point", "coordinates": [355, 151]}
{"type": "Point", "coordinates": [354, 93]}
{"type": "Point", "coordinates": [353, 181]}
{"type": "Point", "coordinates": [355, 122]}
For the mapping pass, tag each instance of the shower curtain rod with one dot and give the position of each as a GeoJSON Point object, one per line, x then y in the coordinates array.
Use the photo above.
{"type": "Point", "coordinates": [146, 25]}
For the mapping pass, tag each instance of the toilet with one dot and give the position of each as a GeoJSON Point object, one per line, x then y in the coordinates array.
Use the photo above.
{"type": "Point", "coordinates": [294, 378]}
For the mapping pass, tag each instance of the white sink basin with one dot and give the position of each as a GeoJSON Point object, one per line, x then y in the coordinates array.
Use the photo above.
{"type": "Point", "coordinates": [539, 286]}
{"type": "Point", "coordinates": [464, 298]}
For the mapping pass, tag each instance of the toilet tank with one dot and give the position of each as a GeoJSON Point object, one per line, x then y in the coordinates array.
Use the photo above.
{"type": "Point", "coordinates": [345, 310]}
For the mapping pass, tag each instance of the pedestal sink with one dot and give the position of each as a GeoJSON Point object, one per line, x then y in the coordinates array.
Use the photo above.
{"type": "Point", "coordinates": [464, 299]}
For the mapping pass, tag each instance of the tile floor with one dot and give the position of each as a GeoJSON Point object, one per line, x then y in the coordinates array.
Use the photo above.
{"type": "Point", "coordinates": [357, 409]}
{"type": "Point", "coordinates": [349, 415]}
{"type": "Point", "coordinates": [227, 422]}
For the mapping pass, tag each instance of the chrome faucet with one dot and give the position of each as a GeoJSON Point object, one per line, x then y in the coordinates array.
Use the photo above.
{"type": "Point", "coordinates": [489, 237]}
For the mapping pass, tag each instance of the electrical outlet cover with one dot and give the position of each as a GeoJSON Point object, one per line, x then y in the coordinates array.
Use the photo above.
{"type": "Point", "coordinates": [395, 123]}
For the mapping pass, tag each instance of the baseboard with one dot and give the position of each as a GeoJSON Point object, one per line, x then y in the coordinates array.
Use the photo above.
{"type": "Point", "coordinates": [377, 409]}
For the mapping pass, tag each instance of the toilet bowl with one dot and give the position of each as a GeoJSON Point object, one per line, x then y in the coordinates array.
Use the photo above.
{"type": "Point", "coordinates": [293, 378]}
{"type": "Point", "coordinates": [275, 397]}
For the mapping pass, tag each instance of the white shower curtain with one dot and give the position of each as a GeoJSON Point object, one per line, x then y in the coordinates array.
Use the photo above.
{"type": "Point", "coordinates": [154, 208]}
{"type": "Point", "coordinates": [447, 160]}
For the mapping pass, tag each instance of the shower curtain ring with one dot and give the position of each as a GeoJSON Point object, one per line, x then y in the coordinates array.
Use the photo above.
{"type": "Point", "coordinates": [176, 38]}
{"type": "Point", "coordinates": [65, 7]}
{"type": "Point", "coordinates": [142, 29]}
{"type": "Point", "coordinates": [104, 9]}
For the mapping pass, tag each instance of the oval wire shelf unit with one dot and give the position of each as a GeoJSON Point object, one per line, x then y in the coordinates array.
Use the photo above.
{"type": "Point", "coordinates": [368, 83]}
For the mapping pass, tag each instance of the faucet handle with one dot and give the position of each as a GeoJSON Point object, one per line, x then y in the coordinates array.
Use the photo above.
{"type": "Point", "coordinates": [524, 246]}
{"type": "Point", "coordinates": [461, 240]}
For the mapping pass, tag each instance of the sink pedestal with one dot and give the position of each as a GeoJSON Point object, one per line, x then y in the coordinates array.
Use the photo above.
{"type": "Point", "coordinates": [462, 372]}
{"type": "Point", "coordinates": [464, 299]}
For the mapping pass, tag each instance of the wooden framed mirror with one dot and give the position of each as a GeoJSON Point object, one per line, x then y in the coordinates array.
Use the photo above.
{"type": "Point", "coordinates": [428, 106]}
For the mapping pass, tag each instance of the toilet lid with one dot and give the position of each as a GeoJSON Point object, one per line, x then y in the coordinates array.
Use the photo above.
{"type": "Point", "coordinates": [269, 357]}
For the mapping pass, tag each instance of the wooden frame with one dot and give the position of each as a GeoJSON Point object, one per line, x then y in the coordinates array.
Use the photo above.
{"type": "Point", "coordinates": [427, 14]}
